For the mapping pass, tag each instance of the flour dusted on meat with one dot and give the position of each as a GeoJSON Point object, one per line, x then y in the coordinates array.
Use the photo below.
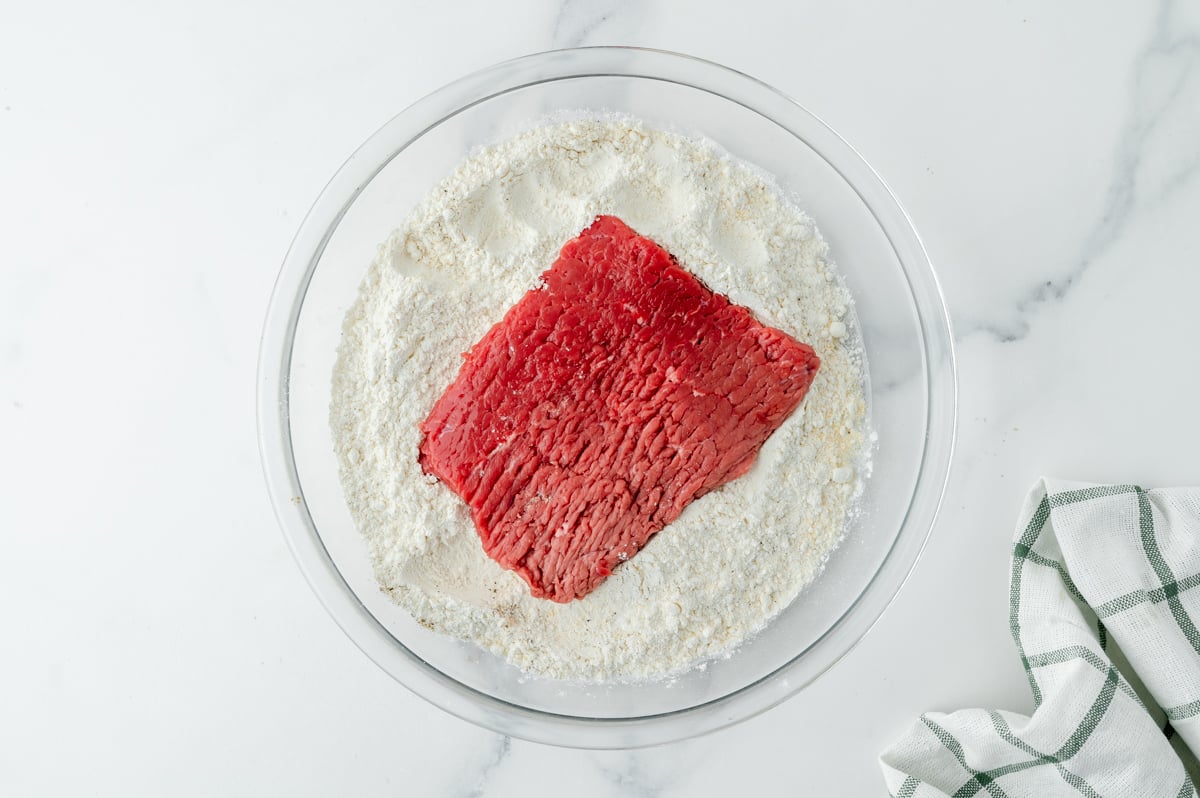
{"type": "Point", "coordinates": [466, 255]}
{"type": "Point", "coordinates": [604, 403]}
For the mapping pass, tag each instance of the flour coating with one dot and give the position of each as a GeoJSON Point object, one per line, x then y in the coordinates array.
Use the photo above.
{"type": "Point", "coordinates": [735, 557]}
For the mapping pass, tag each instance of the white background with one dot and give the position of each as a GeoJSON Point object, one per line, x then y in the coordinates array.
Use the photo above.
{"type": "Point", "coordinates": [157, 157]}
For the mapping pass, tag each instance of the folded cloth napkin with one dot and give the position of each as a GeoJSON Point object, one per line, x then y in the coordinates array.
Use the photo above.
{"type": "Point", "coordinates": [1105, 594]}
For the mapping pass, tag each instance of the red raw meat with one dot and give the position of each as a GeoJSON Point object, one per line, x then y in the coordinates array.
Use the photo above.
{"type": "Point", "coordinates": [604, 402]}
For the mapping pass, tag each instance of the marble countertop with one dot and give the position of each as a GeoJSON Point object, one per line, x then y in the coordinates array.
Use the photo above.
{"type": "Point", "coordinates": [155, 160]}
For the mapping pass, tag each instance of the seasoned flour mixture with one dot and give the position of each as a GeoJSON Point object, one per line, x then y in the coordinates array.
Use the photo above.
{"type": "Point", "coordinates": [736, 556]}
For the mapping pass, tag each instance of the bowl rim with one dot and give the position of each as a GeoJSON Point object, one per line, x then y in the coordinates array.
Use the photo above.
{"type": "Point", "coordinates": [287, 300]}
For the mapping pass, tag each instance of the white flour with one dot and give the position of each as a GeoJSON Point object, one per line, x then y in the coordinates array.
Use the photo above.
{"type": "Point", "coordinates": [735, 557]}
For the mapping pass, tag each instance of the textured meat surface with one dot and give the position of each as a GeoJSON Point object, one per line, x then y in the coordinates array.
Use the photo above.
{"type": "Point", "coordinates": [603, 403]}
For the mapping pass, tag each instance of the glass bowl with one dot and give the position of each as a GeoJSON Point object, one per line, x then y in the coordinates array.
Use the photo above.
{"type": "Point", "coordinates": [904, 326]}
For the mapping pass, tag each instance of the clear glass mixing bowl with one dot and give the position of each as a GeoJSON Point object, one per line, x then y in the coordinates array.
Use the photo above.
{"type": "Point", "coordinates": [904, 327]}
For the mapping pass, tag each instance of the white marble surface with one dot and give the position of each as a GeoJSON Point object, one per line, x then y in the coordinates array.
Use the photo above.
{"type": "Point", "coordinates": [155, 160]}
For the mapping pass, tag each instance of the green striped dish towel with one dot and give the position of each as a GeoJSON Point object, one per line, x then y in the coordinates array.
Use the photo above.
{"type": "Point", "coordinates": [1105, 594]}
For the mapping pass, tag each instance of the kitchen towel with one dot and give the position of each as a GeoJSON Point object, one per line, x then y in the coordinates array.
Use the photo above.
{"type": "Point", "coordinates": [1105, 610]}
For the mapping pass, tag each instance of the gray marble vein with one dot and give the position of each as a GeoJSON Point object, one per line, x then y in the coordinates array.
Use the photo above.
{"type": "Point", "coordinates": [496, 756]}
{"type": "Point", "coordinates": [632, 777]}
{"type": "Point", "coordinates": [1165, 82]}
{"type": "Point", "coordinates": [577, 20]}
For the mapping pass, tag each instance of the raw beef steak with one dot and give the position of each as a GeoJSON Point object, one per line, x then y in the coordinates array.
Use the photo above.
{"type": "Point", "coordinates": [604, 402]}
